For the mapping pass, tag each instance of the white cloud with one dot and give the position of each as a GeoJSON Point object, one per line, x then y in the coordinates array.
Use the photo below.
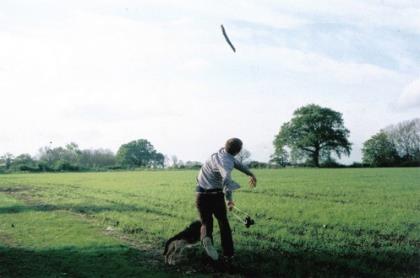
{"type": "Point", "coordinates": [321, 65]}
{"type": "Point", "coordinates": [410, 97]}
{"type": "Point", "coordinates": [402, 15]}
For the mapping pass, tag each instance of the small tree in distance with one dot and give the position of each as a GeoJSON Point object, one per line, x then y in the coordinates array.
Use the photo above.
{"type": "Point", "coordinates": [280, 157]}
{"type": "Point", "coordinates": [406, 138]}
{"type": "Point", "coordinates": [139, 153]}
{"type": "Point", "coordinates": [379, 151]}
{"type": "Point", "coordinates": [243, 156]}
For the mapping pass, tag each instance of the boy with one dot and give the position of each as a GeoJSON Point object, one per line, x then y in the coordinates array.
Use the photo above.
{"type": "Point", "coordinates": [215, 184]}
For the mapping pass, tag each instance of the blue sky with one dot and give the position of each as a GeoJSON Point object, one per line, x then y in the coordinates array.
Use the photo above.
{"type": "Point", "coordinates": [102, 73]}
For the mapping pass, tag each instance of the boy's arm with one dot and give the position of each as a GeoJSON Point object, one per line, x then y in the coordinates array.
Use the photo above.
{"type": "Point", "coordinates": [252, 179]}
{"type": "Point", "coordinates": [228, 196]}
{"type": "Point", "coordinates": [239, 166]}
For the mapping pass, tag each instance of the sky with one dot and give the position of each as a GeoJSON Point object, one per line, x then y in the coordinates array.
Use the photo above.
{"type": "Point", "coordinates": [103, 73]}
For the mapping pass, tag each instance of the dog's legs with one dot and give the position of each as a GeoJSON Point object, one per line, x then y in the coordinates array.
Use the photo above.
{"type": "Point", "coordinates": [174, 254]}
{"type": "Point", "coordinates": [169, 254]}
{"type": "Point", "coordinates": [181, 247]}
{"type": "Point", "coordinates": [172, 260]}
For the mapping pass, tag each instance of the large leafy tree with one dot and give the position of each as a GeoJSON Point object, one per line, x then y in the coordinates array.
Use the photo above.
{"type": "Point", "coordinates": [314, 132]}
{"type": "Point", "coordinates": [380, 151]}
{"type": "Point", "coordinates": [139, 153]}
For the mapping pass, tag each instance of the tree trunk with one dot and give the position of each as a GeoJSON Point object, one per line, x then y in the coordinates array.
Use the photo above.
{"type": "Point", "coordinates": [315, 157]}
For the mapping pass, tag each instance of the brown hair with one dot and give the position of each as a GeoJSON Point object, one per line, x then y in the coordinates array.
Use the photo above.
{"type": "Point", "coordinates": [233, 146]}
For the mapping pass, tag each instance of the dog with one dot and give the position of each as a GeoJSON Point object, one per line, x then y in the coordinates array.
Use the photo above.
{"type": "Point", "coordinates": [186, 238]}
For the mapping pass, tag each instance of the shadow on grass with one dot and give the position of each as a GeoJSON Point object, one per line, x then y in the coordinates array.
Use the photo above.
{"type": "Point", "coordinates": [84, 209]}
{"type": "Point", "coordinates": [111, 205]}
{"type": "Point", "coordinates": [14, 189]}
{"type": "Point", "coordinates": [122, 261]}
{"type": "Point", "coordinates": [115, 261]}
{"type": "Point", "coordinates": [327, 263]}
{"type": "Point", "coordinates": [301, 263]}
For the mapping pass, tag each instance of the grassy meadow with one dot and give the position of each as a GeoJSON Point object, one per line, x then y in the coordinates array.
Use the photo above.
{"type": "Point", "coordinates": [309, 222]}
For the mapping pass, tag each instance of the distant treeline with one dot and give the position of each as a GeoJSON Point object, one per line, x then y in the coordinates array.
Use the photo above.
{"type": "Point", "coordinates": [70, 158]}
{"type": "Point", "coordinates": [394, 146]}
{"type": "Point", "coordinates": [310, 139]}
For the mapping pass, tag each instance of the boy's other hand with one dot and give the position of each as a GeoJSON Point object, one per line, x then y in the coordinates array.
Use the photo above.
{"type": "Point", "coordinates": [252, 181]}
{"type": "Point", "coordinates": [230, 205]}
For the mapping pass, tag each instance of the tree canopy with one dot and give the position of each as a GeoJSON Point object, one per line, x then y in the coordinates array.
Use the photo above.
{"type": "Point", "coordinates": [139, 153]}
{"type": "Point", "coordinates": [314, 133]}
{"type": "Point", "coordinates": [379, 151]}
{"type": "Point", "coordinates": [406, 138]}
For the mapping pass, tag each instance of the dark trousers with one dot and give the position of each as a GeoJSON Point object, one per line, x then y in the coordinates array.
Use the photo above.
{"type": "Point", "coordinates": [214, 204]}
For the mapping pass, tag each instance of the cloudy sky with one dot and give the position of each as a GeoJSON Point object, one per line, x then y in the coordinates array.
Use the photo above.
{"type": "Point", "coordinates": [102, 73]}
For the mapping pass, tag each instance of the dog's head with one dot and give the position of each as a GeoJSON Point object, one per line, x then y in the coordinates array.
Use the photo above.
{"type": "Point", "coordinates": [196, 225]}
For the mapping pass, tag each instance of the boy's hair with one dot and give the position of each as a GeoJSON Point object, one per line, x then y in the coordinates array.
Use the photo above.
{"type": "Point", "coordinates": [233, 146]}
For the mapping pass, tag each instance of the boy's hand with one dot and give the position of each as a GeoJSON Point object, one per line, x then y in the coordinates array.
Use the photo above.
{"type": "Point", "coordinates": [252, 181]}
{"type": "Point", "coordinates": [230, 205]}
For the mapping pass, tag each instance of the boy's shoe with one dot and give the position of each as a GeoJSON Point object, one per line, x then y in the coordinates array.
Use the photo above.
{"type": "Point", "coordinates": [210, 250]}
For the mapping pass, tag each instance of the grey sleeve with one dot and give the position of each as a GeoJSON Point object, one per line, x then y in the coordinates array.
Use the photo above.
{"type": "Point", "coordinates": [228, 184]}
{"type": "Point", "coordinates": [239, 166]}
{"type": "Point", "coordinates": [228, 195]}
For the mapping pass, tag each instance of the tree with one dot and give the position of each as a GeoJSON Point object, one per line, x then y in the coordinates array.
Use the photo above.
{"type": "Point", "coordinates": [97, 159]}
{"type": "Point", "coordinates": [174, 161]}
{"type": "Point", "coordinates": [24, 161]}
{"type": "Point", "coordinates": [49, 157]}
{"type": "Point", "coordinates": [406, 138]}
{"type": "Point", "coordinates": [313, 133]}
{"type": "Point", "coordinates": [166, 161]}
{"type": "Point", "coordinates": [193, 164]}
{"type": "Point", "coordinates": [257, 164]}
{"type": "Point", "coordinates": [59, 158]}
{"type": "Point", "coordinates": [280, 157]}
{"type": "Point", "coordinates": [7, 160]}
{"type": "Point", "coordinates": [158, 160]}
{"type": "Point", "coordinates": [71, 153]}
{"type": "Point", "coordinates": [243, 156]}
{"type": "Point", "coordinates": [379, 151]}
{"type": "Point", "coordinates": [139, 153]}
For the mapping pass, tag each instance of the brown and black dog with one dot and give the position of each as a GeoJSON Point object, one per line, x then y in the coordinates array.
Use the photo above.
{"type": "Point", "coordinates": [176, 244]}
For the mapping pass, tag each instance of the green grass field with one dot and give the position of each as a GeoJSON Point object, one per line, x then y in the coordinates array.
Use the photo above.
{"type": "Point", "coordinates": [309, 222]}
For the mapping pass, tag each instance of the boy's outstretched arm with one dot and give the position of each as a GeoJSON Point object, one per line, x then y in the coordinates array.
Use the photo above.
{"type": "Point", "coordinates": [252, 179]}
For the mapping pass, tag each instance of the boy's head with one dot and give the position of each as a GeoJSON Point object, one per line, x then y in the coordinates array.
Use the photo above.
{"type": "Point", "coordinates": [233, 146]}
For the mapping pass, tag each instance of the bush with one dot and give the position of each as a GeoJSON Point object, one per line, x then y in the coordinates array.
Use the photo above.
{"type": "Point", "coordinates": [257, 164]}
{"type": "Point", "coordinates": [44, 167]}
{"type": "Point", "coordinates": [358, 165]}
{"type": "Point", "coordinates": [331, 163]}
{"type": "Point", "coordinates": [30, 168]}
{"type": "Point", "coordinates": [409, 163]}
{"type": "Point", "coordinates": [115, 167]}
{"type": "Point", "coordinates": [66, 166]}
